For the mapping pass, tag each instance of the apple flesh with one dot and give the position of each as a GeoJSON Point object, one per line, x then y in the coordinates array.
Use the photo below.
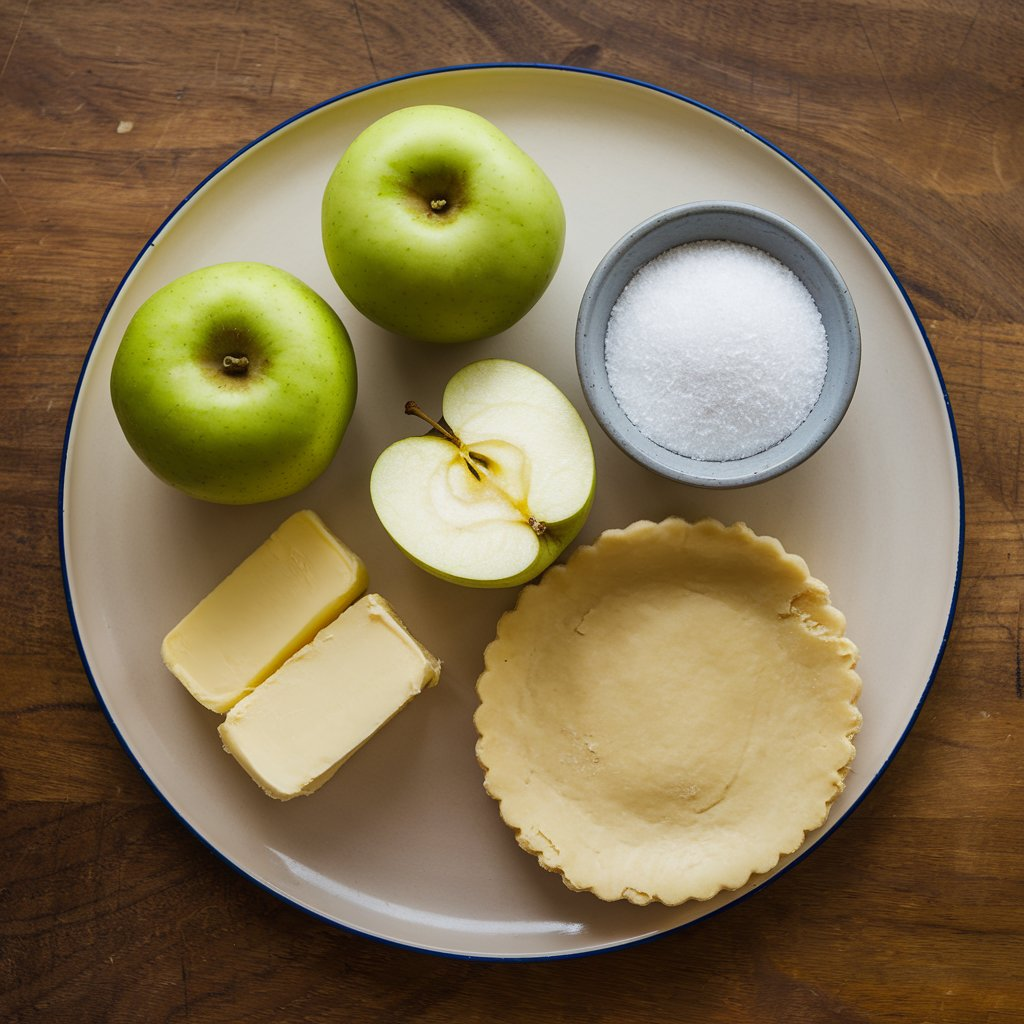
{"type": "Point", "coordinates": [437, 226]}
{"type": "Point", "coordinates": [235, 383]}
{"type": "Point", "coordinates": [494, 495]}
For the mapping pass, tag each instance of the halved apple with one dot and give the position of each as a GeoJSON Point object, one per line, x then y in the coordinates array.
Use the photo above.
{"type": "Point", "coordinates": [495, 493]}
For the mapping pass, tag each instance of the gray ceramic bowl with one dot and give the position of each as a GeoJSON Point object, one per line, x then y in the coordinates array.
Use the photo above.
{"type": "Point", "coordinates": [735, 222]}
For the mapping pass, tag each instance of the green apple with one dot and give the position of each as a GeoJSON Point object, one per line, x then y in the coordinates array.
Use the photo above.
{"type": "Point", "coordinates": [235, 383]}
{"type": "Point", "coordinates": [437, 226]}
{"type": "Point", "coordinates": [491, 497]}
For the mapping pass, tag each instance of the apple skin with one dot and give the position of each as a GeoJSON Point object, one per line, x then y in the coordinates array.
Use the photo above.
{"type": "Point", "coordinates": [235, 439]}
{"type": "Point", "coordinates": [421, 489]}
{"type": "Point", "coordinates": [465, 272]}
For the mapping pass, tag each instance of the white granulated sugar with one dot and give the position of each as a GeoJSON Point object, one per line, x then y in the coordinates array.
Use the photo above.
{"type": "Point", "coordinates": [716, 350]}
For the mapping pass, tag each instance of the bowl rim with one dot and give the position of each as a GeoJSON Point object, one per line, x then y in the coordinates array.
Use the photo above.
{"type": "Point", "coordinates": [798, 446]}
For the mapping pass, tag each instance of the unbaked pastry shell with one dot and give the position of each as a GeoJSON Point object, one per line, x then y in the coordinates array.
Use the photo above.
{"type": "Point", "coordinates": [670, 712]}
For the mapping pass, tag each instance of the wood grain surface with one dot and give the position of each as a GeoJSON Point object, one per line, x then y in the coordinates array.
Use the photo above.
{"type": "Point", "coordinates": [912, 111]}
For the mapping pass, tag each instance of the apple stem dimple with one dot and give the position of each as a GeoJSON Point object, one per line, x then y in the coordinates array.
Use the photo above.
{"type": "Point", "coordinates": [236, 366]}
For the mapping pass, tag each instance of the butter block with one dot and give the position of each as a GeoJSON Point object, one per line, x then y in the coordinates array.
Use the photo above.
{"type": "Point", "coordinates": [294, 732]}
{"type": "Point", "coordinates": [275, 602]}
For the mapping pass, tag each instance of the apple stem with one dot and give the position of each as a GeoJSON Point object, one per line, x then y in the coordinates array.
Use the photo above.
{"type": "Point", "coordinates": [537, 526]}
{"type": "Point", "coordinates": [412, 409]}
{"type": "Point", "coordinates": [236, 366]}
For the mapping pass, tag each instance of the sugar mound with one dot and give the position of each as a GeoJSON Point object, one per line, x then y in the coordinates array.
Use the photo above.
{"type": "Point", "coordinates": [716, 350]}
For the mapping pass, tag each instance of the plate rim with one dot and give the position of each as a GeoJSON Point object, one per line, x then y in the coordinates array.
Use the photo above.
{"type": "Point", "coordinates": [498, 66]}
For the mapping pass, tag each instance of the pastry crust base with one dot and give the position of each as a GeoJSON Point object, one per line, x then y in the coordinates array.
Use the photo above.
{"type": "Point", "coordinates": [670, 712]}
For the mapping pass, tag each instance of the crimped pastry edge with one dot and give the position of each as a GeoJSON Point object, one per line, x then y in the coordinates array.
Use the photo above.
{"type": "Point", "coordinates": [815, 590]}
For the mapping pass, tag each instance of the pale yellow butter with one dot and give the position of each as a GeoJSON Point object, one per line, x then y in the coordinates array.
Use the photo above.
{"type": "Point", "coordinates": [276, 601]}
{"type": "Point", "coordinates": [294, 732]}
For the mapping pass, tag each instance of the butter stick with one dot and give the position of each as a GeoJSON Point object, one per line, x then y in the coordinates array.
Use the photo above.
{"type": "Point", "coordinates": [294, 732]}
{"type": "Point", "coordinates": [275, 602]}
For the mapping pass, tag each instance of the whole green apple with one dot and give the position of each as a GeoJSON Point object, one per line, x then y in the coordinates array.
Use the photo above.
{"type": "Point", "coordinates": [437, 226]}
{"type": "Point", "coordinates": [235, 383]}
{"type": "Point", "coordinates": [491, 497]}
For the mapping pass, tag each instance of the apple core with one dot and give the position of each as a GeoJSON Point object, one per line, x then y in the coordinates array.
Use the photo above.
{"type": "Point", "coordinates": [480, 467]}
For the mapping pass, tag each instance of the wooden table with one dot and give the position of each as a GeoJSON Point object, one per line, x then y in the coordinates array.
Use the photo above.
{"type": "Point", "coordinates": [111, 911]}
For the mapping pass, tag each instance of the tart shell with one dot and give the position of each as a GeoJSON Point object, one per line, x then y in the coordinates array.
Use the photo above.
{"type": "Point", "coordinates": [668, 713]}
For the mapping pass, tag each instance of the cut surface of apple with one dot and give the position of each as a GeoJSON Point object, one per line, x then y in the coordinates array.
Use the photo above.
{"type": "Point", "coordinates": [493, 496]}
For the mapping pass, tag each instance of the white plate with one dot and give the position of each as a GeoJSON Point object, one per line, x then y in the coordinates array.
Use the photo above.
{"type": "Point", "coordinates": [403, 844]}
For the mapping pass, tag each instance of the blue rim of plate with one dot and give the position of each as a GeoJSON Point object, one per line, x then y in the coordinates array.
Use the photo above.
{"type": "Point", "coordinates": [569, 69]}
